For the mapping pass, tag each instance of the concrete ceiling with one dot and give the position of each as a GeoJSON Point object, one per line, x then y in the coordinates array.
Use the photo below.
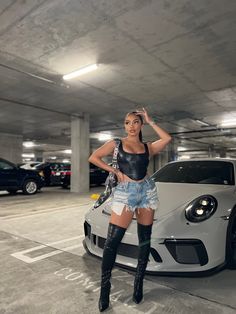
{"type": "Point", "coordinates": [175, 57]}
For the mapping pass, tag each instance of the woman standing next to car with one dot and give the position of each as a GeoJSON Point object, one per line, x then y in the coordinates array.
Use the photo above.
{"type": "Point", "coordinates": [135, 193]}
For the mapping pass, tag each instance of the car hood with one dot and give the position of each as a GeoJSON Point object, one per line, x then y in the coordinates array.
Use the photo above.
{"type": "Point", "coordinates": [174, 195]}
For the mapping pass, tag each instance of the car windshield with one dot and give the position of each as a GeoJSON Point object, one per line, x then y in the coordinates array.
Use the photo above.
{"type": "Point", "coordinates": [201, 172]}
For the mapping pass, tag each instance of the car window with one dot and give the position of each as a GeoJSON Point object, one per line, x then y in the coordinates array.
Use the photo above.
{"type": "Point", "coordinates": [5, 166]}
{"type": "Point", "coordinates": [65, 167]}
{"type": "Point", "coordinates": [201, 172]}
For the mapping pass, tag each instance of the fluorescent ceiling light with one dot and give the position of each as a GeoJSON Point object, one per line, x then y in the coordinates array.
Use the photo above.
{"type": "Point", "coordinates": [28, 144]}
{"type": "Point", "coordinates": [79, 72]}
{"type": "Point", "coordinates": [202, 122]}
{"type": "Point", "coordinates": [184, 157]}
{"type": "Point", "coordinates": [229, 123]}
{"type": "Point", "coordinates": [104, 137]}
{"type": "Point", "coordinates": [53, 157]}
{"type": "Point", "coordinates": [181, 149]}
{"type": "Point", "coordinates": [65, 160]}
{"type": "Point", "coordinates": [67, 151]}
{"type": "Point", "coordinates": [28, 155]}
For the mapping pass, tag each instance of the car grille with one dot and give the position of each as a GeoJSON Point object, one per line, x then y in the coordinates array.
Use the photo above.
{"type": "Point", "coordinates": [127, 250]}
{"type": "Point", "coordinates": [187, 251]}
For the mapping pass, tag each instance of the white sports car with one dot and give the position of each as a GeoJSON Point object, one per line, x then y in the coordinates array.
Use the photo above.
{"type": "Point", "coordinates": [194, 230]}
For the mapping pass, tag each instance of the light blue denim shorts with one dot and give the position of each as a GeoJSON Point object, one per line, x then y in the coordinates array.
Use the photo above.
{"type": "Point", "coordinates": [134, 195]}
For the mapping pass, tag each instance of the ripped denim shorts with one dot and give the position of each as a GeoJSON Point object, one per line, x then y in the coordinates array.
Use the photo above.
{"type": "Point", "coordinates": [134, 195]}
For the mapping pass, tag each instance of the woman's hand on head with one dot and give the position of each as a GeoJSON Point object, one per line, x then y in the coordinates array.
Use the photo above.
{"type": "Point", "coordinates": [145, 115]}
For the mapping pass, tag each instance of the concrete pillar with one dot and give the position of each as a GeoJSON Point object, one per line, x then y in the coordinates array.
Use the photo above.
{"type": "Point", "coordinates": [80, 153]}
{"type": "Point", "coordinates": [151, 166]}
{"type": "Point", "coordinates": [211, 151]}
{"type": "Point", "coordinates": [170, 153]}
{"type": "Point", "coordinates": [11, 147]}
{"type": "Point", "coordinates": [172, 150]}
{"type": "Point", "coordinates": [222, 153]}
{"type": "Point", "coordinates": [38, 156]}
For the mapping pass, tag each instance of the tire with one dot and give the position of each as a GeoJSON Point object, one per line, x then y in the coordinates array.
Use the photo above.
{"type": "Point", "coordinates": [30, 187]}
{"type": "Point", "coordinates": [231, 243]}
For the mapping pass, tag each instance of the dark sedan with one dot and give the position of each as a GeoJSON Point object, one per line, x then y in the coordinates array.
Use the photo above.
{"type": "Point", "coordinates": [14, 178]}
{"type": "Point", "coordinates": [52, 171]}
{"type": "Point", "coordinates": [97, 176]}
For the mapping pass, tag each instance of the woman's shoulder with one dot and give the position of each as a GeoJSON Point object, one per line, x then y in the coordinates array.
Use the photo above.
{"type": "Point", "coordinates": [113, 142]}
{"type": "Point", "coordinates": [118, 140]}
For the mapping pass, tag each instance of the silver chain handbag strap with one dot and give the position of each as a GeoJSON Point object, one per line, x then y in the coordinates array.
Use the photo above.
{"type": "Point", "coordinates": [111, 176]}
{"type": "Point", "coordinates": [115, 153]}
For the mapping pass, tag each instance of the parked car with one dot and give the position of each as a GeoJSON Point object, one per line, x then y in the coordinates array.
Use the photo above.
{"type": "Point", "coordinates": [14, 178]}
{"type": "Point", "coordinates": [194, 229]}
{"type": "Point", "coordinates": [52, 171]}
{"type": "Point", "coordinates": [97, 176]}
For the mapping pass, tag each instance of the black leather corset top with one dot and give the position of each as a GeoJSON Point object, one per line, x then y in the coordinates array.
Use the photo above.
{"type": "Point", "coordinates": [133, 165]}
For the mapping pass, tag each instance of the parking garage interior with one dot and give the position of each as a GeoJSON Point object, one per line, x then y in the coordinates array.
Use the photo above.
{"type": "Point", "coordinates": [176, 59]}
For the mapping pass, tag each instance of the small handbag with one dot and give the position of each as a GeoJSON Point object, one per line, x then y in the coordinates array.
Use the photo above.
{"type": "Point", "coordinates": [111, 180]}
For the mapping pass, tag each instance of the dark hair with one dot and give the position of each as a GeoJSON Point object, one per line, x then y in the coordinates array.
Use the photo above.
{"type": "Point", "coordinates": [141, 119]}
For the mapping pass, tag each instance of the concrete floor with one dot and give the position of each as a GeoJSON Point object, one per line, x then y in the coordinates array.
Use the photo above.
{"type": "Point", "coordinates": [45, 269]}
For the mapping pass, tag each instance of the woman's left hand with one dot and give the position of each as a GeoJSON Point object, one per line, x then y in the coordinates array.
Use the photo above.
{"type": "Point", "coordinates": [145, 115]}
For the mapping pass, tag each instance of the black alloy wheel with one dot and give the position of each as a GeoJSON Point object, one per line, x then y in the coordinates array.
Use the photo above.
{"type": "Point", "coordinates": [30, 187]}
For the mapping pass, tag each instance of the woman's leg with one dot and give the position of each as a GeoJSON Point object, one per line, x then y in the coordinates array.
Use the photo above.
{"type": "Point", "coordinates": [122, 220]}
{"type": "Point", "coordinates": [144, 225]}
{"type": "Point", "coordinates": [116, 230]}
{"type": "Point", "coordinates": [145, 216]}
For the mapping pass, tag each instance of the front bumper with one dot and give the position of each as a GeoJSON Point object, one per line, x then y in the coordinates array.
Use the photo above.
{"type": "Point", "coordinates": [185, 249]}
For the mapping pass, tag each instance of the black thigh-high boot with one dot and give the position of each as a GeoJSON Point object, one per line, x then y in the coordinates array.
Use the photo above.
{"type": "Point", "coordinates": [114, 237]}
{"type": "Point", "coordinates": [144, 236]}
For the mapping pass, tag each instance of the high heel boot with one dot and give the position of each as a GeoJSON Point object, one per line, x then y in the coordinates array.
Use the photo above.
{"type": "Point", "coordinates": [114, 237]}
{"type": "Point", "coordinates": [144, 236]}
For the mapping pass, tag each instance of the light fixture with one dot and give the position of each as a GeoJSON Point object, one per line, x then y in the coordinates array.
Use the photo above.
{"type": "Point", "coordinates": [65, 160]}
{"type": "Point", "coordinates": [79, 72]}
{"type": "Point", "coordinates": [67, 151]}
{"type": "Point", "coordinates": [104, 137]}
{"type": "Point", "coordinates": [25, 155]}
{"type": "Point", "coordinates": [231, 122]}
{"type": "Point", "coordinates": [184, 157]}
{"type": "Point", "coordinates": [53, 157]}
{"type": "Point", "coordinates": [181, 148]}
{"type": "Point", "coordinates": [28, 144]}
{"type": "Point", "coordinates": [202, 122]}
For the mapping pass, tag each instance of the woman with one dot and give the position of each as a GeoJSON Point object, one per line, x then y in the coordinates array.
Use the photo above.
{"type": "Point", "coordinates": [135, 193]}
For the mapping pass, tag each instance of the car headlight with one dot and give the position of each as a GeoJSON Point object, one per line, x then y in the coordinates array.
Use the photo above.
{"type": "Point", "coordinates": [201, 208]}
{"type": "Point", "coordinates": [41, 173]}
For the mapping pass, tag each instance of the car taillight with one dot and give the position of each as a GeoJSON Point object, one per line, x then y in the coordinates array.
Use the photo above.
{"type": "Point", "coordinates": [66, 173]}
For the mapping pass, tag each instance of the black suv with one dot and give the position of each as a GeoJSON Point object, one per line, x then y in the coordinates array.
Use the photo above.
{"type": "Point", "coordinates": [13, 178]}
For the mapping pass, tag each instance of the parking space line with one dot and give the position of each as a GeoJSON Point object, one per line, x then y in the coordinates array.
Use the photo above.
{"type": "Point", "coordinates": [23, 257]}
{"type": "Point", "coordinates": [43, 211]}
